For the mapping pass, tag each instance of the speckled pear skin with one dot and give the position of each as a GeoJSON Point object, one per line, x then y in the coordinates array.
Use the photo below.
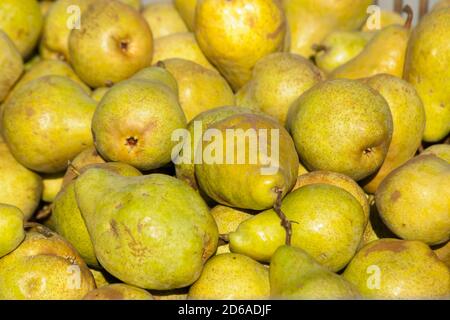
{"type": "Point", "coordinates": [231, 276]}
{"type": "Point", "coordinates": [11, 64]}
{"type": "Point", "coordinates": [408, 116]}
{"type": "Point", "coordinates": [44, 266]}
{"type": "Point", "coordinates": [11, 224]}
{"type": "Point", "coordinates": [153, 231]}
{"type": "Point", "coordinates": [342, 126]}
{"type": "Point", "coordinates": [426, 68]}
{"type": "Point", "coordinates": [439, 150]}
{"type": "Point", "coordinates": [40, 119]}
{"type": "Point", "coordinates": [413, 200]}
{"type": "Point", "coordinates": [243, 185]}
{"type": "Point", "coordinates": [294, 274]}
{"type": "Point", "coordinates": [118, 291]}
{"type": "Point", "coordinates": [234, 35]}
{"type": "Point", "coordinates": [329, 223]}
{"type": "Point", "coordinates": [406, 270]}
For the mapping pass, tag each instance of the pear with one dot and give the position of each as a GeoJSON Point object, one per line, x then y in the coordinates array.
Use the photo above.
{"type": "Point", "coordinates": [339, 47]}
{"type": "Point", "coordinates": [443, 253]}
{"type": "Point", "coordinates": [46, 267]}
{"type": "Point", "coordinates": [163, 19]}
{"type": "Point", "coordinates": [86, 157]}
{"type": "Point", "coordinates": [117, 36]}
{"type": "Point", "coordinates": [329, 223]}
{"type": "Point", "coordinates": [22, 22]}
{"type": "Point", "coordinates": [131, 123]}
{"type": "Point", "coordinates": [387, 18]}
{"type": "Point", "coordinates": [185, 170]}
{"type": "Point", "coordinates": [153, 231]}
{"type": "Point", "coordinates": [101, 278]}
{"type": "Point", "coordinates": [426, 68]}
{"type": "Point", "coordinates": [440, 150]}
{"type": "Point", "coordinates": [11, 224]}
{"type": "Point", "coordinates": [310, 21]}
{"type": "Point", "coordinates": [11, 65]}
{"type": "Point", "coordinates": [118, 291]}
{"type": "Point", "coordinates": [32, 62]}
{"type": "Point", "coordinates": [180, 45]}
{"type": "Point", "coordinates": [136, 4]}
{"type": "Point", "coordinates": [294, 274]}
{"type": "Point", "coordinates": [99, 93]}
{"type": "Point", "coordinates": [259, 28]}
{"type": "Point", "coordinates": [199, 89]}
{"type": "Point", "coordinates": [408, 116]}
{"type": "Point", "coordinates": [252, 175]}
{"type": "Point", "coordinates": [277, 81]}
{"type": "Point", "coordinates": [385, 53]}
{"type": "Point", "coordinates": [66, 217]}
{"type": "Point", "coordinates": [413, 200]}
{"type": "Point", "coordinates": [338, 180]}
{"type": "Point", "coordinates": [186, 9]}
{"type": "Point", "coordinates": [53, 113]}
{"type": "Point", "coordinates": [52, 183]}
{"type": "Point", "coordinates": [398, 269]}
{"type": "Point", "coordinates": [231, 276]}
{"type": "Point", "coordinates": [19, 186]}
{"type": "Point", "coordinates": [342, 126]}
{"type": "Point", "coordinates": [158, 74]}
{"type": "Point", "coordinates": [375, 228]}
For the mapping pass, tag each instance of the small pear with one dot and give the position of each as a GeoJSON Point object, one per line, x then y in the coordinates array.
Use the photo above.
{"type": "Point", "coordinates": [296, 275]}
{"type": "Point", "coordinates": [426, 68]}
{"type": "Point", "coordinates": [158, 74]}
{"type": "Point", "coordinates": [277, 81]}
{"type": "Point", "coordinates": [131, 124]}
{"type": "Point", "coordinates": [117, 36]}
{"type": "Point", "coordinates": [163, 19]}
{"type": "Point", "coordinates": [86, 157]}
{"type": "Point", "coordinates": [398, 269]}
{"type": "Point", "coordinates": [19, 186]}
{"type": "Point", "coordinates": [413, 200]}
{"type": "Point", "coordinates": [186, 8]}
{"type": "Point", "coordinates": [46, 267]}
{"type": "Point", "coordinates": [11, 65]}
{"type": "Point", "coordinates": [101, 278]}
{"type": "Point", "coordinates": [99, 93]}
{"type": "Point", "coordinates": [180, 45]}
{"type": "Point", "coordinates": [11, 224]}
{"type": "Point", "coordinates": [408, 116]}
{"type": "Point", "coordinates": [231, 276]}
{"type": "Point", "coordinates": [52, 183]}
{"type": "Point", "coordinates": [51, 112]}
{"type": "Point", "coordinates": [329, 224]}
{"type": "Point", "coordinates": [153, 231]}
{"type": "Point", "coordinates": [199, 89]}
{"type": "Point", "coordinates": [118, 291]}
{"type": "Point", "coordinates": [259, 28]}
{"type": "Point", "coordinates": [22, 22]}
{"type": "Point", "coordinates": [439, 150]}
{"type": "Point", "coordinates": [342, 126]}
{"type": "Point", "coordinates": [386, 18]}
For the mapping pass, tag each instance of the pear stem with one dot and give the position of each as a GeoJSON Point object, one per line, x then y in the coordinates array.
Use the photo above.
{"type": "Point", "coordinates": [285, 223]}
{"type": "Point", "coordinates": [44, 212]}
{"type": "Point", "coordinates": [74, 169]}
{"type": "Point", "coordinates": [224, 237]}
{"type": "Point", "coordinates": [409, 11]}
{"type": "Point", "coordinates": [319, 47]}
{"type": "Point", "coordinates": [160, 64]}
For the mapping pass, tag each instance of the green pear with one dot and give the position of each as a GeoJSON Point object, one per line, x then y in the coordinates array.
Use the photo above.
{"type": "Point", "coordinates": [408, 116]}
{"type": "Point", "coordinates": [258, 29]}
{"type": "Point", "coordinates": [250, 162]}
{"type": "Point", "coordinates": [186, 9]}
{"type": "Point", "coordinates": [199, 89]}
{"type": "Point", "coordinates": [47, 122]}
{"type": "Point", "coordinates": [384, 53]}
{"type": "Point", "coordinates": [294, 274]}
{"type": "Point", "coordinates": [118, 291]}
{"type": "Point", "coordinates": [66, 217]}
{"type": "Point", "coordinates": [11, 65]}
{"type": "Point", "coordinates": [339, 47]}
{"type": "Point", "coordinates": [19, 186]}
{"type": "Point", "coordinates": [413, 200]}
{"type": "Point", "coordinates": [153, 231]}
{"type": "Point", "coordinates": [439, 150]}
{"type": "Point", "coordinates": [231, 276]}
{"type": "Point", "coordinates": [114, 40]}
{"type": "Point", "coordinates": [310, 21]}
{"type": "Point", "coordinates": [163, 19]}
{"type": "Point", "coordinates": [52, 183]}
{"type": "Point", "coordinates": [342, 126]}
{"type": "Point", "coordinates": [11, 224]}
{"type": "Point", "coordinates": [277, 81]}
{"type": "Point", "coordinates": [134, 122]}
{"type": "Point", "coordinates": [329, 223]}
{"type": "Point", "coordinates": [22, 22]}
{"type": "Point", "coordinates": [46, 267]}
{"type": "Point", "coordinates": [426, 68]}
{"type": "Point", "coordinates": [398, 269]}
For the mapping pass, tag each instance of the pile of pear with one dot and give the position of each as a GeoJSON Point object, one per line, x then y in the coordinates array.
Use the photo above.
{"type": "Point", "coordinates": [100, 201]}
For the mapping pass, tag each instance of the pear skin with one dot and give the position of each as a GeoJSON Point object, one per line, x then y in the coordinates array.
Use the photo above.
{"type": "Point", "coordinates": [99, 93]}
{"type": "Point", "coordinates": [11, 63]}
{"type": "Point", "coordinates": [439, 150]}
{"type": "Point", "coordinates": [86, 157]}
{"type": "Point", "coordinates": [52, 183]}
{"type": "Point", "coordinates": [443, 253]}
{"type": "Point", "coordinates": [186, 8]}
{"type": "Point", "coordinates": [158, 74]}
{"type": "Point", "coordinates": [163, 19]}
{"type": "Point", "coordinates": [118, 291]}
{"type": "Point", "coordinates": [11, 224]}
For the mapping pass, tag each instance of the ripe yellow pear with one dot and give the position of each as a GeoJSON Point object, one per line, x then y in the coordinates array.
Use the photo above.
{"type": "Point", "coordinates": [440, 150]}
{"type": "Point", "coordinates": [11, 64]}
{"type": "Point", "coordinates": [186, 8]}
{"type": "Point", "coordinates": [11, 224]}
{"type": "Point", "coordinates": [163, 19]}
{"type": "Point", "coordinates": [443, 253]}
{"type": "Point", "coordinates": [52, 183]}
{"type": "Point", "coordinates": [234, 35]}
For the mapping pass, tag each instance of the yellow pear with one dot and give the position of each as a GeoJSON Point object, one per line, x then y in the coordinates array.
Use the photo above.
{"type": "Point", "coordinates": [11, 224]}
{"type": "Point", "coordinates": [45, 6]}
{"type": "Point", "coordinates": [163, 19]}
{"type": "Point", "coordinates": [387, 18]}
{"type": "Point", "coordinates": [100, 277]}
{"type": "Point", "coordinates": [443, 253]}
{"type": "Point", "coordinates": [440, 150]}
{"type": "Point", "coordinates": [234, 35]}
{"type": "Point", "coordinates": [11, 65]}
{"type": "Point", "coordinates": [118, 291]}
{"type": "Point", "coordinates": [51, 185]}
{"type": "Point", "coordinates": [186, 8]}
{"type": "Point", "coordinates": [99, 93]}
